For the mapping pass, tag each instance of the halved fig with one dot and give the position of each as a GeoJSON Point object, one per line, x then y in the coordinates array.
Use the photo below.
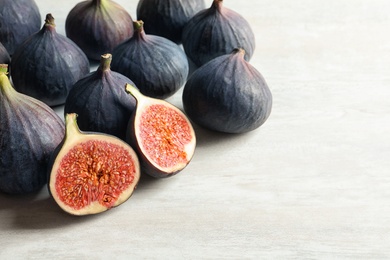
{"type": "Point", "coordinates": [91, 172]}
{"type": "Point", "coordinates": [161, 134]}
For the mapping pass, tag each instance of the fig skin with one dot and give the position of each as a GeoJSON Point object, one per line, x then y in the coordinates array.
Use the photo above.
{"type": "Point", "coordinates": [157, 66]}
{"type": "Point", "coordinates": [167, 18]}
{"type": "Point", "coordinates": [179, 140]}
{"type": "Point", "coordinates": [47, 64]}
{"type": "Point", "coordinates": [100, 101]}
{"type": "Point", "coordinates": [228, 95]}
{"type": "Point", "coordinates": [216, 31]}
{"type": "Point", "coordinates": [29, 133]}
{"type": "Point", "coordinates": [105, 182]}
{"type": "Point", "coordinates": [98, 26]}
{"type": "Point", "coordinates": [18, 20]}
{"type": "Point", "coordinates": [5, 58]}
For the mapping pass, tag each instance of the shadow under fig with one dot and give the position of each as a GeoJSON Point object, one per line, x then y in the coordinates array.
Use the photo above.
{"type": "Point", "coordinates": [36, 211]}
{"type": "Point", "coordinates": [206, 137]}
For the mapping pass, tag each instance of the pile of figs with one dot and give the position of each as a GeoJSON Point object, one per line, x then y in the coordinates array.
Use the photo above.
{"type": "Point", "coordinates": [116, 123]}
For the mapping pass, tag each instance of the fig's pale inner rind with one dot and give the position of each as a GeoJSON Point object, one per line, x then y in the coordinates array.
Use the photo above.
{"type": "Point", "coordinates": [94, 171]}
{"type": "Point", "coordinates": [164, 135]}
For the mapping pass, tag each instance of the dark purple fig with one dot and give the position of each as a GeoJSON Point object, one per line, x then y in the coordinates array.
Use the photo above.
{"type": "Point", "coordinates": [157, 66]}
{"type": "Point", "coordinates": [161, 134]}
{"type": "Point", "coordinates": [4, 55]}
{"type": "Point", "coordinates": [47, 64]}
{"type": "Point", "coordinates": [227, 94]}
{"type": "Point", "coordinates": [97, 26]}
{"type": "Point", "coordinates": [217, 31]}
{"type": "Point", "coordinates": [91, 172]}
{"type": "Point", "coordinates": [29, 133]}
{"type": "Point", "coordinates": [18, 20]}
{"type": "Point", "coordinates": [100, 101]}
{"type": "Point", "coordinates": [167, 18]}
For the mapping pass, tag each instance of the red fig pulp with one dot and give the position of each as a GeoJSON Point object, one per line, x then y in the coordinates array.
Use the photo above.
{"type": "Point", "coordinates": [92, 172]}
{"type": "Point", "coordinates": [161, 134]}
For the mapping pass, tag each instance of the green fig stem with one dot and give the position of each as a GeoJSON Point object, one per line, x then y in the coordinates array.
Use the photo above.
{"type": "Point", "coordinates": [49, 21]}
{"type": "Point", "coordinates": [138, 25]}
{"type": "Point", "coordinates": [134, 92]}
{"type": "Point", "coordinates": [71, 127]}
{"type": "Point", "coordinates": [5, 83]}
{"type": "Point", "coordinates": [4, 68]}
{"type": "Point", "coordinates": [105, 62]}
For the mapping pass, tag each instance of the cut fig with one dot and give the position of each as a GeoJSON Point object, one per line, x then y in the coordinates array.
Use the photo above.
{"type": "Point", "coordinates": [91, 172]}
{"type": "Point", "coordinates": [161, 134]}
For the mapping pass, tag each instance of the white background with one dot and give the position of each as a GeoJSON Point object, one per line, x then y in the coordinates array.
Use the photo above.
{"type": "Point", "coordinates": [312, 183]}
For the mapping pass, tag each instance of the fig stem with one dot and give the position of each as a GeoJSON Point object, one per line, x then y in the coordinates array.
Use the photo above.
{"type": "Point", "coordinates": [105, 62]}
{"type": "Point", "coordinates": [4, 68]}
{"type": "Point", "coordinates": [133, 91]}
{"type": "Point", "coordinates": [5, 83]}
{"type": "Point", "coordinates": [71, 127]}
{"type": "Point", "coordinates": [49, 20]}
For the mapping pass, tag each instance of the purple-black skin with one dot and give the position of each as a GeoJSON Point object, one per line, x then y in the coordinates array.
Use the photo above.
{"type": "Point", "coordinates": [18, 20]}
{"type": "Point", "coordinates": [157, 66]}
{"type": "Point", "coordinates": [167, 18]}
{"type": "Point", "coordinates": [97, 27]}
{"type": "Point", "coordinates": [216, 31]}
{"type": "Point", "coordinates": [29, 133]}
{"type": "Point", "coordinates": [47, 64]}
{"type": "Point", "coordinates": [100, 101]}
{"type": "Point", "coordinates": [5, 58]}
{"type": "Point", "coordinates": [228, 95]}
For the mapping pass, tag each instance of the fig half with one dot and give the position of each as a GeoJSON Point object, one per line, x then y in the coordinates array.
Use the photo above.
{"type": "Point", "coordinates": [91, 172]}
{"type": "Point", "coordinates": [161, 134]}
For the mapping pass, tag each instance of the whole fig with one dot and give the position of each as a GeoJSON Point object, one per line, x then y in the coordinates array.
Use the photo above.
{"type": "Point", "coordinates": [18, 20]}
{"type": "Point", "coordinates": [167, 18]}
{"type": "Point", "coordinates": [227, 94]}
{"type": "Point", "coordinates": [47, 64]}
{"type": "Point", "coordinates": [97, 26]}
{"type": "Point", "coordinates": [217, 31]}
{"type": "Point", "coordinates": [29, 133]}
{"type": "Point", "coordinates": [99, 100]}
{"type": "Point", "coordinates": [157, 66]}
{"type": "Point", "coordinates": [90, 173]}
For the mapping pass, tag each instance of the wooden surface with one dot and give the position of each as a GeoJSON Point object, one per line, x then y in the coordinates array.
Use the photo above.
{"type": "Point", "coordinates": [312, 183]}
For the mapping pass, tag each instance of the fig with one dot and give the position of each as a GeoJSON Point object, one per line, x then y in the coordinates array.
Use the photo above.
{"type": "Point", "coordinates": [228, 95]}
{"type": "Point", "coordinates": [161, 134]}
{"type": "Point", "coordinates": [91, 172]}
{"type": "Point", "coordinates": [5, 58]}
{"type": "Point", "coordinates": [157, 66]}
{"type": "Point", "coordinates": [18, 20]}
{"type": "Point", "coordinates": [216, 31]}
{"type": "Point", "coordinates": [29, 133]}
{"type": "Point", "coordinates": [100, 101]}
{"type": "Point", "coordinates": [167, 18]}
{"type": "Point", "coordinates": [97, 26]}
{"type": "Point", "coordinates": [47, 64]}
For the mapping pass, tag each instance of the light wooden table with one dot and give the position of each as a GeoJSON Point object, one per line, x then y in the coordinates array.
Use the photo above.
{"type": "Point", "coordinates": [312, 183]}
